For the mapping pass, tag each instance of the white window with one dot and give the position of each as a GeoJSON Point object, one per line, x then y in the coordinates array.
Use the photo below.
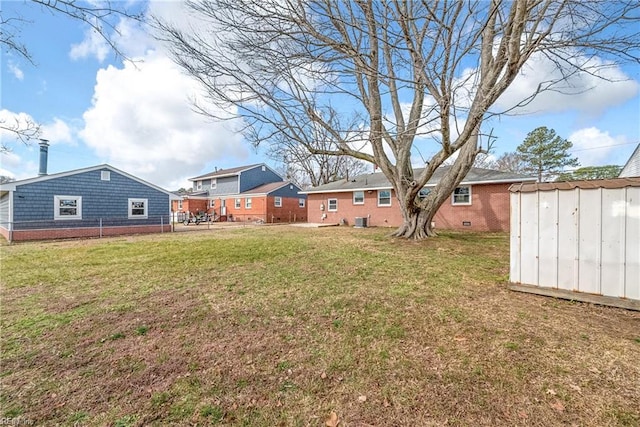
{"type": "Point", "coordinates": [384, 197]}
{"type": "Point", "coordinates": [67, 207]}
{"type": "Point", "coordinates": [332, 205]}
{"type": "Point", "coordinates": [358, 197]}
{"type": "Point", "coordinates": [237, 203]}
{"type": "Point", "coordinates": [212, 203]}
{"type": "Point", "coordinates": [461, 196]}
{"type": "Point", "coordinates": [105, 175]}
{"type": "Point", "coordinates": [199, 185]}
{"type": "Point", "coordinates": [214, 183]}
{"type": "Point", "coordinates": [277, 202]}
{"type": "Point", "coordinates": [247, 203]}
{"type": "Point", "coordinates": [301, 203]}
{"type": "Point", "coordinates": [138, 208]}
{"type": "Point", "coordinates": [264, 168]}
{"type": "Point", "coordinates": [180, 204]}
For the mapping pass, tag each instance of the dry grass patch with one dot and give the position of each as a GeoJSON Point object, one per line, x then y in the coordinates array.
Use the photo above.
{"type": "Point", "coordinates": [284, 326]}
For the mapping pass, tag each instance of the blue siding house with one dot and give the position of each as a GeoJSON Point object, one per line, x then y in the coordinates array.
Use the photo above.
{"type": "Point", "coordinates": [245, 193]}
{"type": "Point", "coordinates": [91, 202]}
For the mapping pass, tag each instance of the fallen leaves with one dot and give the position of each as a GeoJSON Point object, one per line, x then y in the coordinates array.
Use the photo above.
{"type": "Point", "coordinates": [557, 405]}
{"type": "Point", "coordinates": [333, 420]}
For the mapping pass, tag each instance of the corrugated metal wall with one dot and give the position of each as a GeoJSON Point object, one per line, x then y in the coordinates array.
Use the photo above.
{"type": "Point", "coordinates": [581, 240]}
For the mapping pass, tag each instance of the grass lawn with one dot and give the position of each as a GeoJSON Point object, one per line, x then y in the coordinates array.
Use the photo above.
{"type": "Point", "coordinates": [294, 326]}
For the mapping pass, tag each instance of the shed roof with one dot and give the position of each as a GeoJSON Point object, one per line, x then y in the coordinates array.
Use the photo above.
{"type": "Point", "coordinates": [531, 187]}
{"type": "Point", "coordinates": [377, 181]}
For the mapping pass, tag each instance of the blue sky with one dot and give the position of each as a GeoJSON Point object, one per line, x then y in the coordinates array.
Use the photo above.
{"type": "Point", "coordinates": [137, 117]}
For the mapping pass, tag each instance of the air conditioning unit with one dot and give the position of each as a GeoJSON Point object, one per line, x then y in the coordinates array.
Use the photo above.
{"type": "Point", "coordinates": [361, 222]}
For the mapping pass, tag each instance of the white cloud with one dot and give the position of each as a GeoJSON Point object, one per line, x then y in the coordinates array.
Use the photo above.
{"type": "Point", "coordinates": [142, 122]}
{"type": "Point", "coordinates": [57, 132]}
{"type": "Point", "coordinates": [595, 147]}
{"type": "Point", "coordinates": [92, 45]}
{"type": "Point", "coordinates": [604, 86]}
{"type": "Point", "coordinates": [15, 70]}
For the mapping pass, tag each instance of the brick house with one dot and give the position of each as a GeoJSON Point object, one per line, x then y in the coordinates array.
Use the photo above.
{"type": "Point", "coordinates": [246, 193]}
{"type": "Point", "coordinates": [480, 203]}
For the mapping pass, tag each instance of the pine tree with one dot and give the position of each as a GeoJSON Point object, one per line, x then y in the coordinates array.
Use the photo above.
{"type": "Point", "coordinates": [546, 154]}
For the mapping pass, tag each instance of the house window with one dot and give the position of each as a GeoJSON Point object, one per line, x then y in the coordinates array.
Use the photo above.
{"type": "Point", "coordinates": [264, 168]}
{"type": "Point", "coordinates": [277, 202]}
{"type": "Point", "coordinates": [212, 203]}
{"type": "Point", "coordinates": [384, 197]}
{"type": "Point", "coordinates": [214, 183]}
{"type": "Point", "coordinates": [179, 204]}
{"type": "Point", "coordinates": [237, 204]}
{"type": "Point", "coordinates": [301, 203]}
{"type": "Point", "coordinates": [247, 203]}
{"type": "Point", "coordinates": [358, 197]}
{"type": "Point", "coordinates": [105, 175]}
{"type": "Point", "coordinates": [332, 205]}
{"type": "Point", "coordinates": [461, 196]}
{"type": "Point", "coordinates": [138, 208]}
{"type": "Point", "coordinates": [423, 193]}
{"type": "Point", "coordinates": [199, 185]}
{"type": "Point", "coordinates": [67, 207]}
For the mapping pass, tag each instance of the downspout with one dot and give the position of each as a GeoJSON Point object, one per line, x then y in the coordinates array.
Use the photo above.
{"type": "Point", "coordinates": [10, 217]}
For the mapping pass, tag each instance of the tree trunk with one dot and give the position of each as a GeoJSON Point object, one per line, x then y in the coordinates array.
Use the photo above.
{"type": "Point", "coordinates": [416, 225]}
{"type": "Point", "coordinates": [418, 215]}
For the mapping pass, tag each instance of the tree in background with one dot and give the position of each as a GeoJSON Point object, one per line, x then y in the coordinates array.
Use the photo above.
{"type": "Point", "coordinates": [510, 162]}
{"type": "Point", "coordinates": [545, 154]}
{"type": "Point", "coordinates": [591, 172]}
{"type": "Point", "coordinates": [397, 72]}
{"type": "Point", "coordinates": [102, 17]}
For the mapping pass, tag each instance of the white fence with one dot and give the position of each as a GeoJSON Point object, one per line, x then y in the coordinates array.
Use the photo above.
{"type": "Point", "coordinates": [577, 240]}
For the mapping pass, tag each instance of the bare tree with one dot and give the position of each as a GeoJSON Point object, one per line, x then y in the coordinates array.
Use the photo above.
{"type": "Point", "coordinates": [308, 169]}
{"type": "Point", "coordinates": [102, 17]}
{"type": "Point", "coordinates": [409, 70]}
{"type": "Point", "coordinates": [19, 127]}
{"type": "Point", "coordinates": [510, 162]}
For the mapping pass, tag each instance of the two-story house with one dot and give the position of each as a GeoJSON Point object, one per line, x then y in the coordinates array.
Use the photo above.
{"type": "Point", "coordinates": [246, 193]}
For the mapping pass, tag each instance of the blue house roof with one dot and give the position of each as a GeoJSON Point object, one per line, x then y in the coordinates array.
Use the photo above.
{"type": "Point", "coordinates": [11, 186]}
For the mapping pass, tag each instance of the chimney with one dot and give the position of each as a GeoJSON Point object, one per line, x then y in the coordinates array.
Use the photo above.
{"type": "Point", "coordinates": [44, 154]}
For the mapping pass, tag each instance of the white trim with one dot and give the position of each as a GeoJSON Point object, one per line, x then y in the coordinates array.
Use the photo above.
{"type": "Point", "coordinates": [453, 196]}
{"type": "Point", "coordinates": [14, 184]}
{"type": "Point", "coordinates": [248, 203]}
{"type": "Point", "coordinates": [277, 202]}
{"type": "Point", "coordinates": [353, 198]}
{"type": "Point", "coordinates": [329, 205]}
{"type": "Point", "coordinates": [390, 195]}
{"type": "Point", "coordinates": [56, 207]}
{"type": "Point", "coordinates": [130, 208]}
{"type": "Point", "coordinates": [390, 187]}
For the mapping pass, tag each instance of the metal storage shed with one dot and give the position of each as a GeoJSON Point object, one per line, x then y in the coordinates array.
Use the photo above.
{"type": "Point", "coordinates": [577, 240]}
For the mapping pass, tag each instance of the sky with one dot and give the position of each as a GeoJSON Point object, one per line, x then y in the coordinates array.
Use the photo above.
{"type": "Point", "coordinates": [138, 117]}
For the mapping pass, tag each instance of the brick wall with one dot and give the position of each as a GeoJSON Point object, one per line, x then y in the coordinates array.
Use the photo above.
{"type": "Point", "coordinates": [489, 210]}
{"type": "Point", "coordinates": [68, 233]}
{"type": "Point", "coordinates": [290, 211]}
{"type": "Point", "coordinates": [257, 211]}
